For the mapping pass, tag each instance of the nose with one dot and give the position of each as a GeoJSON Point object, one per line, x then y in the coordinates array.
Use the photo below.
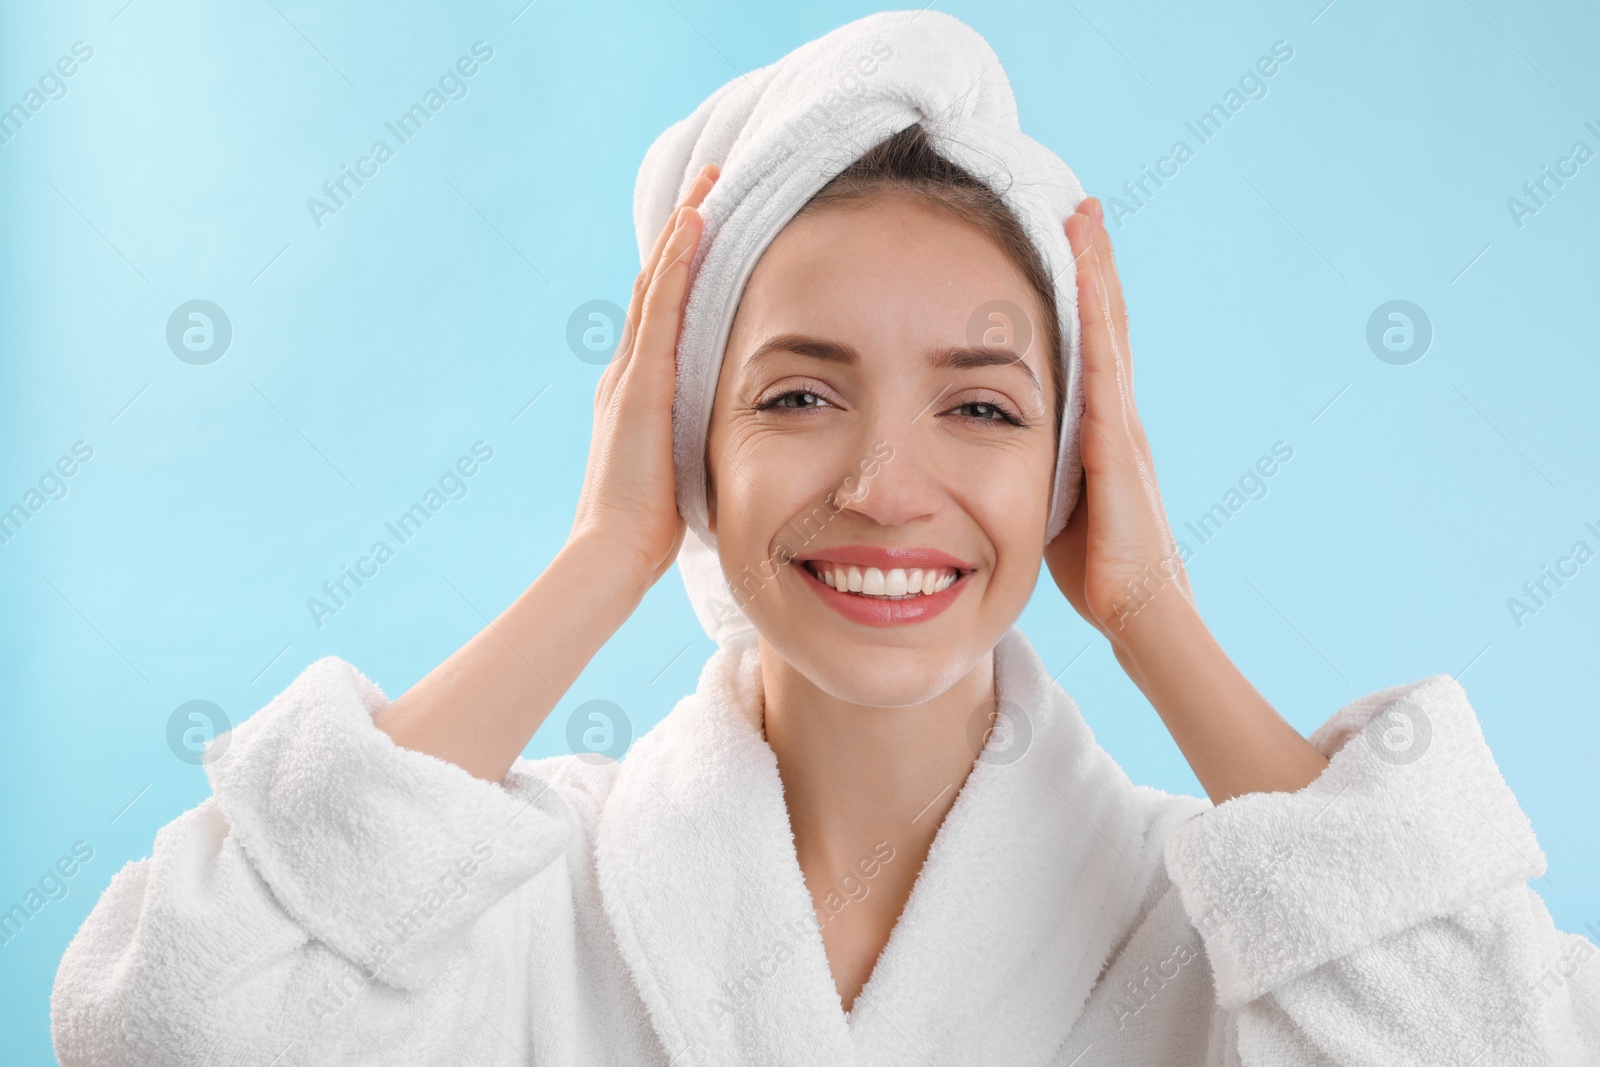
{"type": "Point", "coordinates": [893, 482]}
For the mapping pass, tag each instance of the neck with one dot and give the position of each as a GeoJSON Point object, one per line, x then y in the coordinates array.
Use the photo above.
{"type": "Point", "coordinates": [856, 776]}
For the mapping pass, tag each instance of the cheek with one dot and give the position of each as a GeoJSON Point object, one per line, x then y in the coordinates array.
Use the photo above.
{"type": "Point", "coordinates": [767, 482]}
{"type": "Point", "coordinates": [1013, 476]}
{"type": "Point", "coordinates": [1006, 491]}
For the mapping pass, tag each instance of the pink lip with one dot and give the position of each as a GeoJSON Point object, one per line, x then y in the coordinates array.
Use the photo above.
{"type": "Point", "coordinates": [885, 556]}
{"type": "Point", "coordinates": [874, 612]}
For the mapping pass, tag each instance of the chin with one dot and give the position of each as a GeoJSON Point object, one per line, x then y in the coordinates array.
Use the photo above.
{"type": "Point", "coordinates": [876, 675]}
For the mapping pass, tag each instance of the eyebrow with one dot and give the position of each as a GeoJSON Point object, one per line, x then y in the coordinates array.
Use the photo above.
{"type": "Point", "coordinates": [956, 357]}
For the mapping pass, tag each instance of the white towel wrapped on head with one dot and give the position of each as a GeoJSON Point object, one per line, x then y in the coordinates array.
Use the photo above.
{"type": "Point", "coordinates": [779, 134]}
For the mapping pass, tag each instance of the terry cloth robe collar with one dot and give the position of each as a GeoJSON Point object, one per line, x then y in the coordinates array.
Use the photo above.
{"type": "Point", "coordinates": [1034, 877]}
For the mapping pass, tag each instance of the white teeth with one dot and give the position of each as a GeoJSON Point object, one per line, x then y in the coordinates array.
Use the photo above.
{"type": "Point", "coordinates": [894, 582]}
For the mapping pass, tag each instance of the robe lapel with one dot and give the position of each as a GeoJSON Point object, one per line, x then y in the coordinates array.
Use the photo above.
{"type": "Point", "coordinates": [698, 873]}
{"type": "Point", "coordinates": [1034, 877]}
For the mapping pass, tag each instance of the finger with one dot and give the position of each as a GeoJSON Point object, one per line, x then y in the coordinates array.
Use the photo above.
{"type": "Point", "coordinates": [702, 184]}
{"type": "Point", "coordinates": [1101, 391]}
{"type": "Point", "coordinates": [693, 197]}
{"type": "Point", "coordinates": [678, 248]}
{"type": "Point", "coordinates": [641, 284]}
{"type": "Point", "coordinates": [1113, 279]}
{"type": "Point", "coordinates": [1116, 309]}
{"type": "Point", "coordinates": [1109, 420]}
{"type": "Point", "coordinates": [646, 283]}
{"type": "Point", "coordinates": [1112, 430]}
{"type": "Point", "coordinates": [630, 323]}
{"type": "Point", "coordinates": [1097, 252]}
{"type": "Point", "coordinates": [654, 351]}
{"type": "Point", "coordinates": [1104, 301]}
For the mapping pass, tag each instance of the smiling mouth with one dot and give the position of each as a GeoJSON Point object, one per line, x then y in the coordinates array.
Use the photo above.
{"type": "Point", "coordinates": [877, 583]}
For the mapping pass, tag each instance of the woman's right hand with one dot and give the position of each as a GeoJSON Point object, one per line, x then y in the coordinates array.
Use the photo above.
{"type": "Point", "coordinates": [628, 503]}
{"type": "Point", "coordinates": [479, 708]}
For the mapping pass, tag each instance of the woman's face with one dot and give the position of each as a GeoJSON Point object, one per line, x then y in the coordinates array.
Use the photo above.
{"type": "Point", "coordinates": [881, 448]}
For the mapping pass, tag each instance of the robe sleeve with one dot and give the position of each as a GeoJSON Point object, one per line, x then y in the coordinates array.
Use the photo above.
{"type": "Point", "coordinates": [335, 897]}
{"type": "Point", "coordinates": [1383, 914]}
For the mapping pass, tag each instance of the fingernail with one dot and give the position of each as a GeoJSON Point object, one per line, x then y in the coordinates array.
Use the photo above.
{"type": "Point", "coordinates": [683, 213]}
{"type": "Point", "coordinates": [1081, 228]}
{"type": "Point", "coordinates": [1099, 214]}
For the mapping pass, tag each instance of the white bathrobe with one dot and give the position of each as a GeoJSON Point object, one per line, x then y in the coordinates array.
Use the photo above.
{"type": "Point", "coordinates": [342, 900]}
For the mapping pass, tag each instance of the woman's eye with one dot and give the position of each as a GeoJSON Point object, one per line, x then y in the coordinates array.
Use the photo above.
{"type": "Point", "coordinates": [794, 398]}
{"type": "Point", "coordinates": [982, 411]}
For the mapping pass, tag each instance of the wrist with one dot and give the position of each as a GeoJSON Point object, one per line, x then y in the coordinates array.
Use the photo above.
{"type": "Point", "coordinates": [615, 573]}
{"type": "Point", "coordinates": [1158, 634]}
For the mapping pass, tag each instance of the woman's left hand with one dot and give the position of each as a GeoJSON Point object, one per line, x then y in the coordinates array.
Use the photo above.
{"type": "Point", "coordinates": [1117, 554]}
{"type": "Point", "coordinates": [1118, 564]}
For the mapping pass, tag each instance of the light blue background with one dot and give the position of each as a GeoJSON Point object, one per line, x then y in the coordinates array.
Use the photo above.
{"type": "Point", "coordinates": [370, 353]}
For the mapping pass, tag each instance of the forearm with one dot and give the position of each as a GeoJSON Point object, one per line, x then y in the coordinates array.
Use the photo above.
{"type": "Point", "coordinates": [1232, 738]}
{"type": "Point", "coordinates": [480, 707]}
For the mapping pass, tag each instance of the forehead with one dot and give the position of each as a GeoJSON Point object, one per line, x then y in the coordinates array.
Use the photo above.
{"type": "Point", "coordinates": [896, 274]}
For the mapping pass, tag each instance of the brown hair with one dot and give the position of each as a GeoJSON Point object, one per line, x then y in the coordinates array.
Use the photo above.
{"type": "Point", "coordinates": [907, 162]}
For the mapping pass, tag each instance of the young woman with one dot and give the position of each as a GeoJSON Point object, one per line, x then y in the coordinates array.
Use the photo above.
{"type": "Point", "coordinates": [877, 833]}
